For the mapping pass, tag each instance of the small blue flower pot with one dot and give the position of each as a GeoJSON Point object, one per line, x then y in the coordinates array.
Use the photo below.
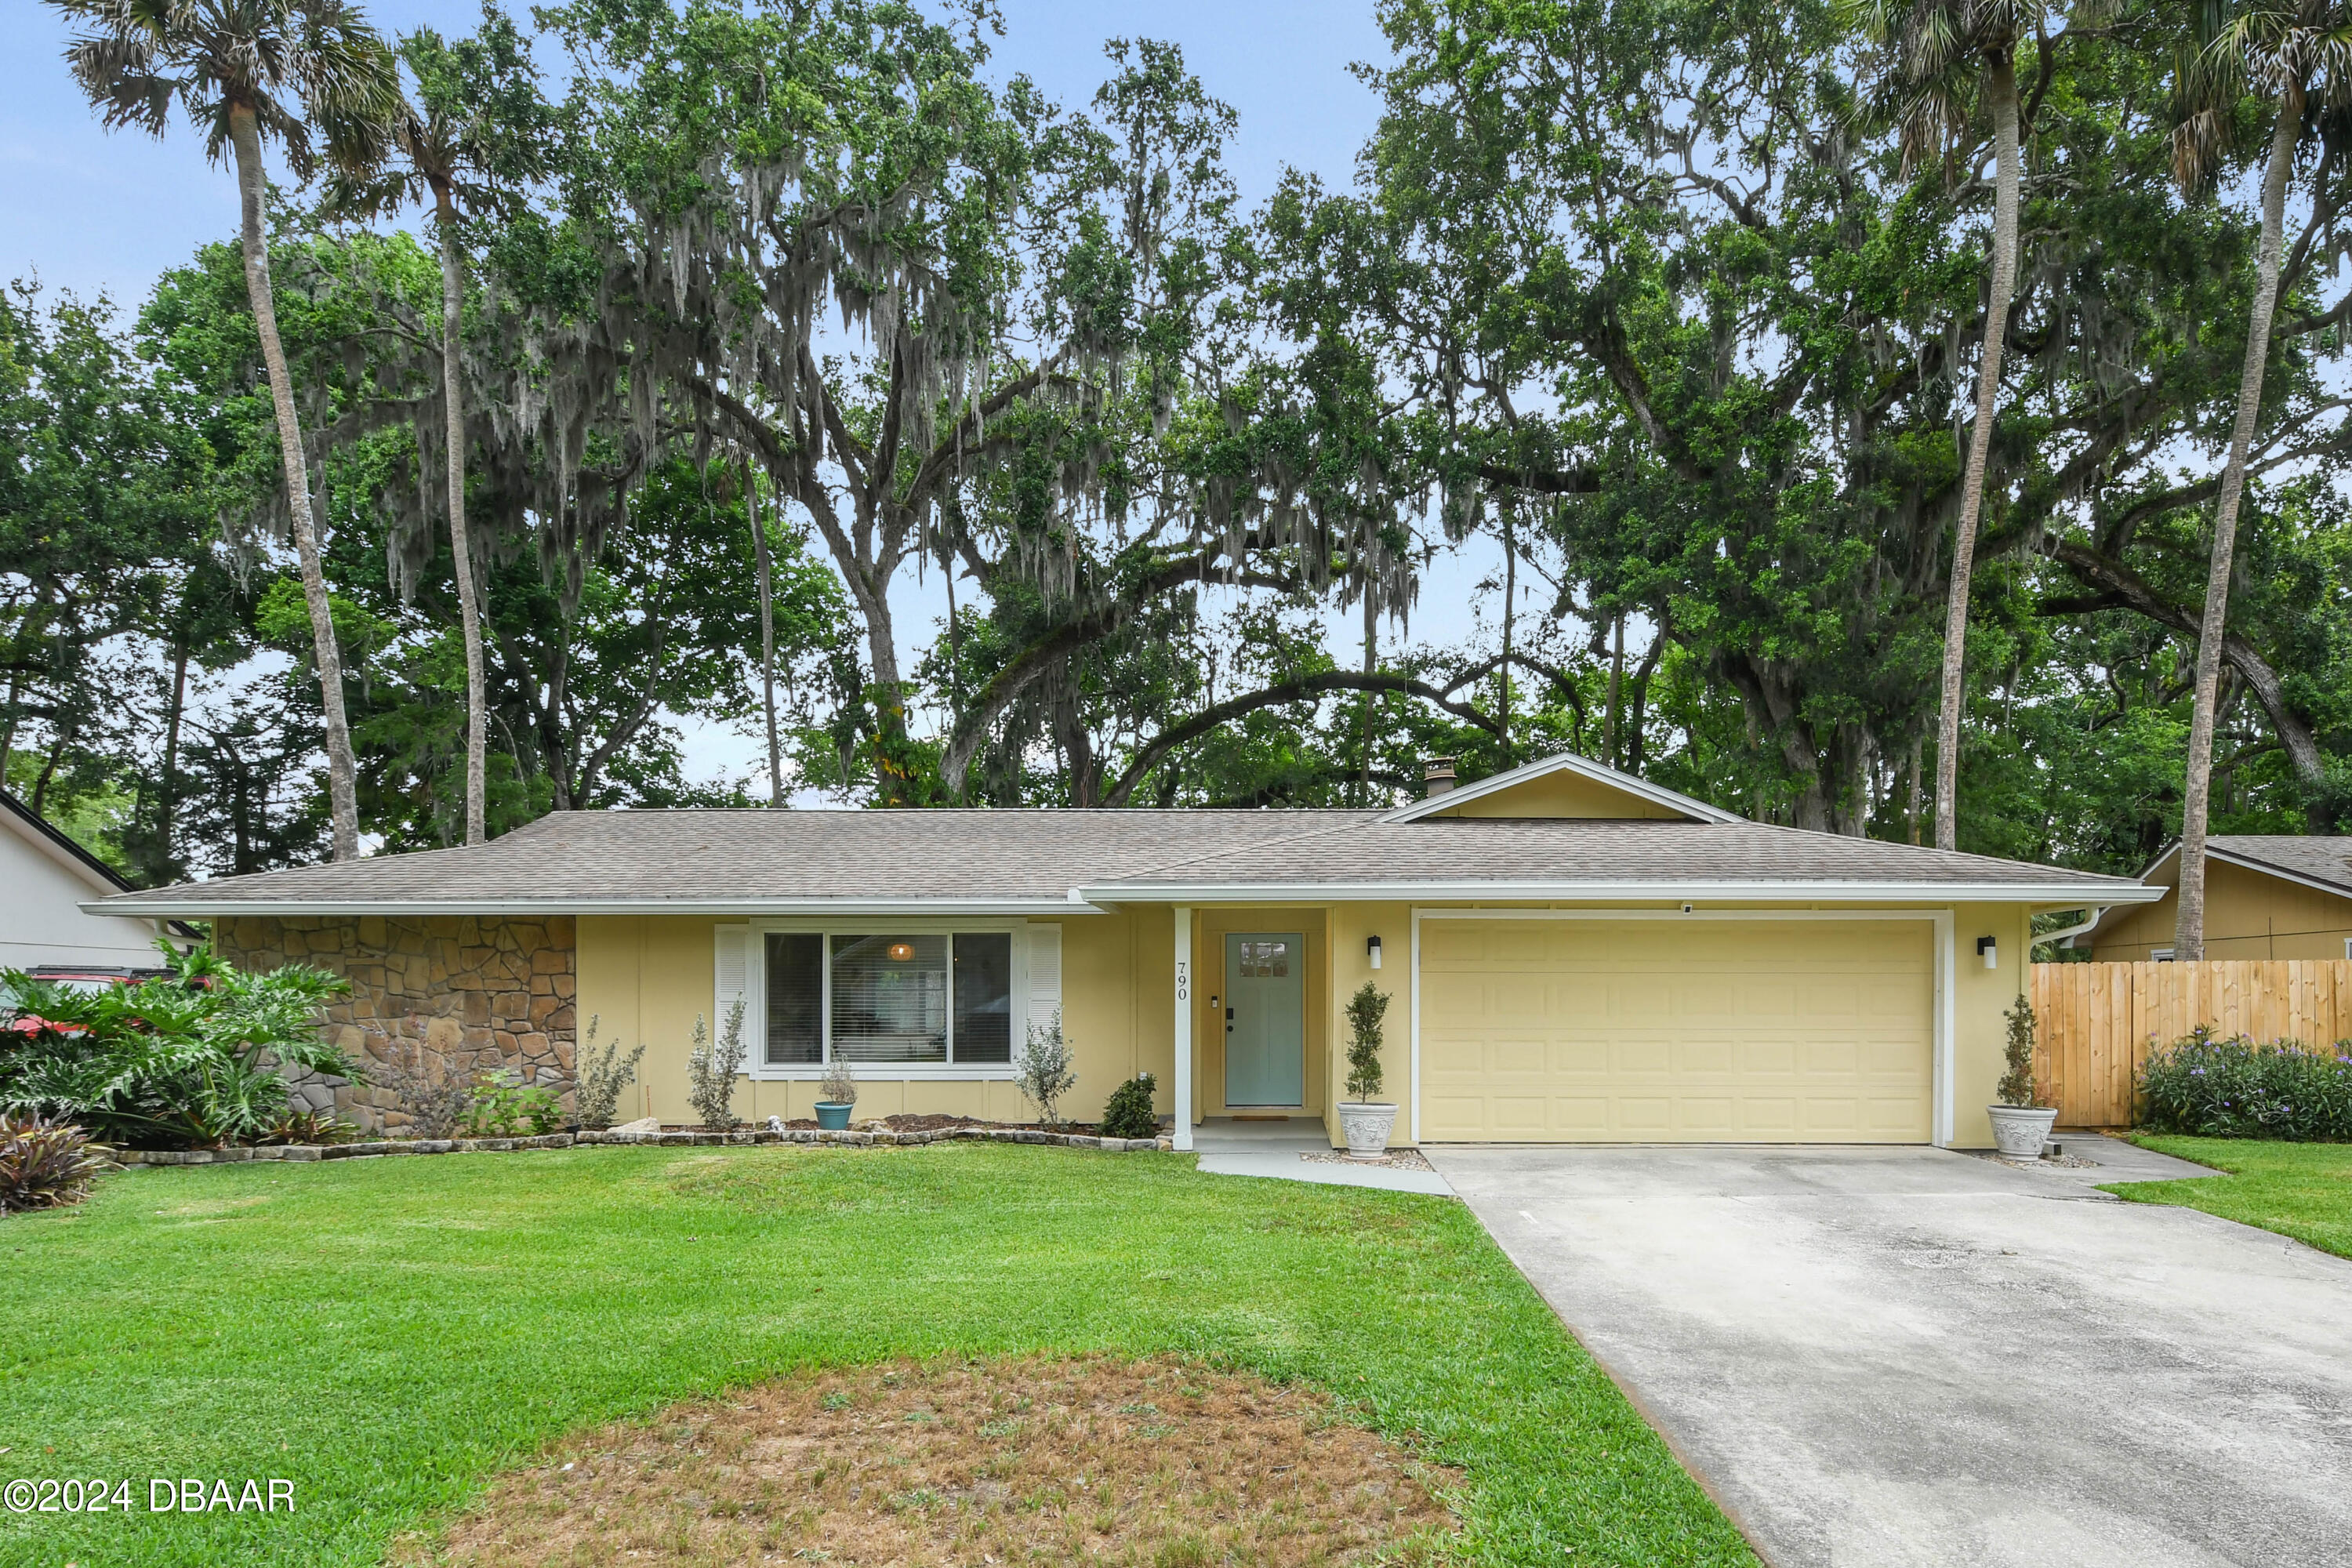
{"type": "Point", "coordinates": [833, 1115]}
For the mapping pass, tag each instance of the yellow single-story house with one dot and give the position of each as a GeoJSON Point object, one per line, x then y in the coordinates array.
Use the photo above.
{"type": "Point", "coordinates": [2281, 896]}
{"type": "Point", "coordinates": [1572, 955]}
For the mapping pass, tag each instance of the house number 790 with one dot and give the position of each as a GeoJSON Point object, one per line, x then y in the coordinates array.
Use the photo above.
{"type": "Point", "coordinates": [1184, 980]}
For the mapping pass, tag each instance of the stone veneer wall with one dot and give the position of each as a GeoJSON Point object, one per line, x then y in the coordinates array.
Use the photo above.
{"type": "Point", "coordinates": [473, 992]}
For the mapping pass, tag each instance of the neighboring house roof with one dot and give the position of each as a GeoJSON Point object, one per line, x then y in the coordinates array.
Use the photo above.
{"type": "Point", "coordinates": [2325, 863]}
{"type": "Point", "coordinates": [2314, 860]}
{"type": "Point", "coordinates": [101, 876]}
{"type": "Point", "coordinates": [1009, 862]}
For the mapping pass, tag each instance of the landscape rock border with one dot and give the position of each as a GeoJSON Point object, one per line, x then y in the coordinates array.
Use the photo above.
{"type": "Point", "coordinates": [855, 1139]}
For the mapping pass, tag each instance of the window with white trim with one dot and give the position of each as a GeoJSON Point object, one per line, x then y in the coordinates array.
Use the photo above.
{"type": "Point", "coordinates": [925, 997]}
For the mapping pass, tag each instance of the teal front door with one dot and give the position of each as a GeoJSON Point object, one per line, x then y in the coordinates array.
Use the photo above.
{"type": "Point", "coordinates": [1265, 1019]}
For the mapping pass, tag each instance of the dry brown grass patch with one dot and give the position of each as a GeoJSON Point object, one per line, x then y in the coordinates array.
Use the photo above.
{"type": "Point", "coordinates": [1155, 1464]}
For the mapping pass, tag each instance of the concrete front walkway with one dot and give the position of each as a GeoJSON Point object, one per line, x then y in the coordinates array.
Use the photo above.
{"type": "Point", "coordinates": [1273, 1148]}
{"type": "Point", "coordinates": [1906, 1356]}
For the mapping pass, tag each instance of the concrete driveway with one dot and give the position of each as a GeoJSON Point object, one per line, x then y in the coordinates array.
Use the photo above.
{"type": "Point", "coordinates": [1908, 1357]}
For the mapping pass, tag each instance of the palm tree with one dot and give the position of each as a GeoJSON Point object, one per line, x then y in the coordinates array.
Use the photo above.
{"type": "Point", "coordinates": [2298, 54]}
{"type": "Point", "coordinates": [246, 71]}
{"type": "Point", "coordinates": [475, 132]}
{"type": "Point", "coordinates": [1944, 54]}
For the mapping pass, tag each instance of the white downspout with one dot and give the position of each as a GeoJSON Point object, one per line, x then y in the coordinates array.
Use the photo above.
{"type": "Point", "coordinates": [2098, 913]}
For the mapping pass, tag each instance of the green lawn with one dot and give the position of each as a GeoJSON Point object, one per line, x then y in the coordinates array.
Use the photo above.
{"type": "Point", "coordinates": [2302, 1190]}
{"type": "Point", "coordinates": [387, 1333]}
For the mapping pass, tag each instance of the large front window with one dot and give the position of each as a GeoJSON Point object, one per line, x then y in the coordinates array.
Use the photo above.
{"type": "Point", "coordinates": [910, 998]}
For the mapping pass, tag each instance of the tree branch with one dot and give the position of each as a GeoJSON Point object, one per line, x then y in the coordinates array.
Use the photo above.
{"type": "Point", "coordinates": [1274, 696]}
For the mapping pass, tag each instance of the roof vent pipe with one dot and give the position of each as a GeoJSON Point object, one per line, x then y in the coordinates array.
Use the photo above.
{"type": "Point", "coordinates": [1436, 777]}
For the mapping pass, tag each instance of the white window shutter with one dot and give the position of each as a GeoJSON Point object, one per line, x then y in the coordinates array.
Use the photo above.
{"type": "Point", "coordinates": [732, 980]}
{"type": "Point", "coordinates": [1044, 976]}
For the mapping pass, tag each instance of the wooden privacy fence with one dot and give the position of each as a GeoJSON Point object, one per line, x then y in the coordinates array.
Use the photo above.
{"type": "Point", "coordinates": [2097, 1020]}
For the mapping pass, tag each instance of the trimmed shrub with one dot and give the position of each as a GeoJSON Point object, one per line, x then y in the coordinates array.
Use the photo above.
{"type": "Point", "coordinates": [504, 1106]}
{"type": "Point", "coordinates": [434, 1095]}
{"type": "Point", "coordinates": [1130, 1112]}
{"type": "Point", "coordinates": [1367, 1011]}
{"type": "Point", "coordinates": [2016, 1088]}
{"type": "Point", "coordinates": [44, 1165]}
{"type": "Point", "coordinates": [604, 1073]}
{"type": "Point", "coordinates": [1043, 1071]}
{"type": "Point", "coordinates": [2234, 1087]}
{"type": "Point", "coordinates": [711, 1070]}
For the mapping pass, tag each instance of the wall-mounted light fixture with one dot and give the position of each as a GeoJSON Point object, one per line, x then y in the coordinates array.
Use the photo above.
{"type": "Point", "coordinates": [1989, 950]}
{"type": "Point", "coordinates": [1372, 951]}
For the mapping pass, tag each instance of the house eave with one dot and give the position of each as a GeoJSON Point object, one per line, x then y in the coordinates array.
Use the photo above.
{"type": "Point", "coordinates": [198, 908]}
{"type": "Point", "coordinates": [2063, 895]}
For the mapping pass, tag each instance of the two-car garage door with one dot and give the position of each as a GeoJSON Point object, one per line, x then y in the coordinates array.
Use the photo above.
{"type": "Point", "coordinates": [1688, 1030]}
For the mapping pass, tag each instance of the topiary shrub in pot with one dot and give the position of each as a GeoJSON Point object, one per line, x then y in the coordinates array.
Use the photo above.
{"type": "Point", "coordinates": [2020, 1122]}
{"type": "Point", "coordinates": [1366, 1121]}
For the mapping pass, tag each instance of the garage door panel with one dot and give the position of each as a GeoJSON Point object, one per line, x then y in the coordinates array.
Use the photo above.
{"type": "Point", "coordinates": [1544, 1030]}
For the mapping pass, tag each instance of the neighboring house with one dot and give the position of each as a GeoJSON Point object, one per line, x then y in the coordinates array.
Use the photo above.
{"type": "Point", "coordinates": [2266, 895]}
{"type": "Point", "coordinates": [1573, 954]}
{"type": "Point", "coordinates": [48, 879]}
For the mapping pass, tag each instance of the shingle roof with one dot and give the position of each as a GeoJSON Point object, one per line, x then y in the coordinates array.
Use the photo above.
{"type": "Point", "coordinates": [2309, 857]}
{"type": "Point", "coordinates": [1600, 850]}
{"type": "Point", "coordinates": [760, 860]}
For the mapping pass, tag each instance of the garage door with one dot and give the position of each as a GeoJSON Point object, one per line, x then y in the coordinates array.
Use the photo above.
{"type": "Point", "coordinates": [1687, 1031]}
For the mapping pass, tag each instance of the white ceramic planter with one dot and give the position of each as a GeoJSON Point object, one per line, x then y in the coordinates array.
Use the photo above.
{"type": "Point", "coordinates": [2020, 1131]}
{"type": "Point", "coordinates": [1367, 1125]}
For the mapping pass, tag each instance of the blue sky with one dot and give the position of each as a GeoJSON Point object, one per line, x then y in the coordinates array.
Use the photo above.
{"type": "Point", "coordinates": [92, 210]}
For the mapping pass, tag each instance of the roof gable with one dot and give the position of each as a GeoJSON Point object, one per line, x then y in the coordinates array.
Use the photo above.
{"type": "Point", "coordinates": [2311, 860]}
{"type": "Point", "coordinates": [1564, 787]}
{"type": "Point", "coordinates": [43, 836]}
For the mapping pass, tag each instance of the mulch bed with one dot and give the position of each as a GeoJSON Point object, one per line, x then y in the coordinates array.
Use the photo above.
{"type": "Point", "coordinates": [1161, 1464]}
{"type": "Point", "coordinates": [904, 1122]}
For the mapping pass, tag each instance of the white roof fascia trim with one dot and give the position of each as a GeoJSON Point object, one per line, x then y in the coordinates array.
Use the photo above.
{"type": "Point", "coordinates": [2066, 895]}
{"type": "Point", "coordinates": [1569, 762]}
{"type": "Point", "coordinates": [197, 907]}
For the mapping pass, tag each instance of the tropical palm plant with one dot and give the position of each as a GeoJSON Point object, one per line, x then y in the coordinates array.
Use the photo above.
{"type": "Point", "coordinates": [1947, 61]}
{"type": "Point", "coordinates": [313, 77]}
{"type": "Point", "coordinates": [197, 1057]}
{"type": "Point", "coordinates": [474, 135]}
{"type": "Point", "coordinates": [2297, 54]}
